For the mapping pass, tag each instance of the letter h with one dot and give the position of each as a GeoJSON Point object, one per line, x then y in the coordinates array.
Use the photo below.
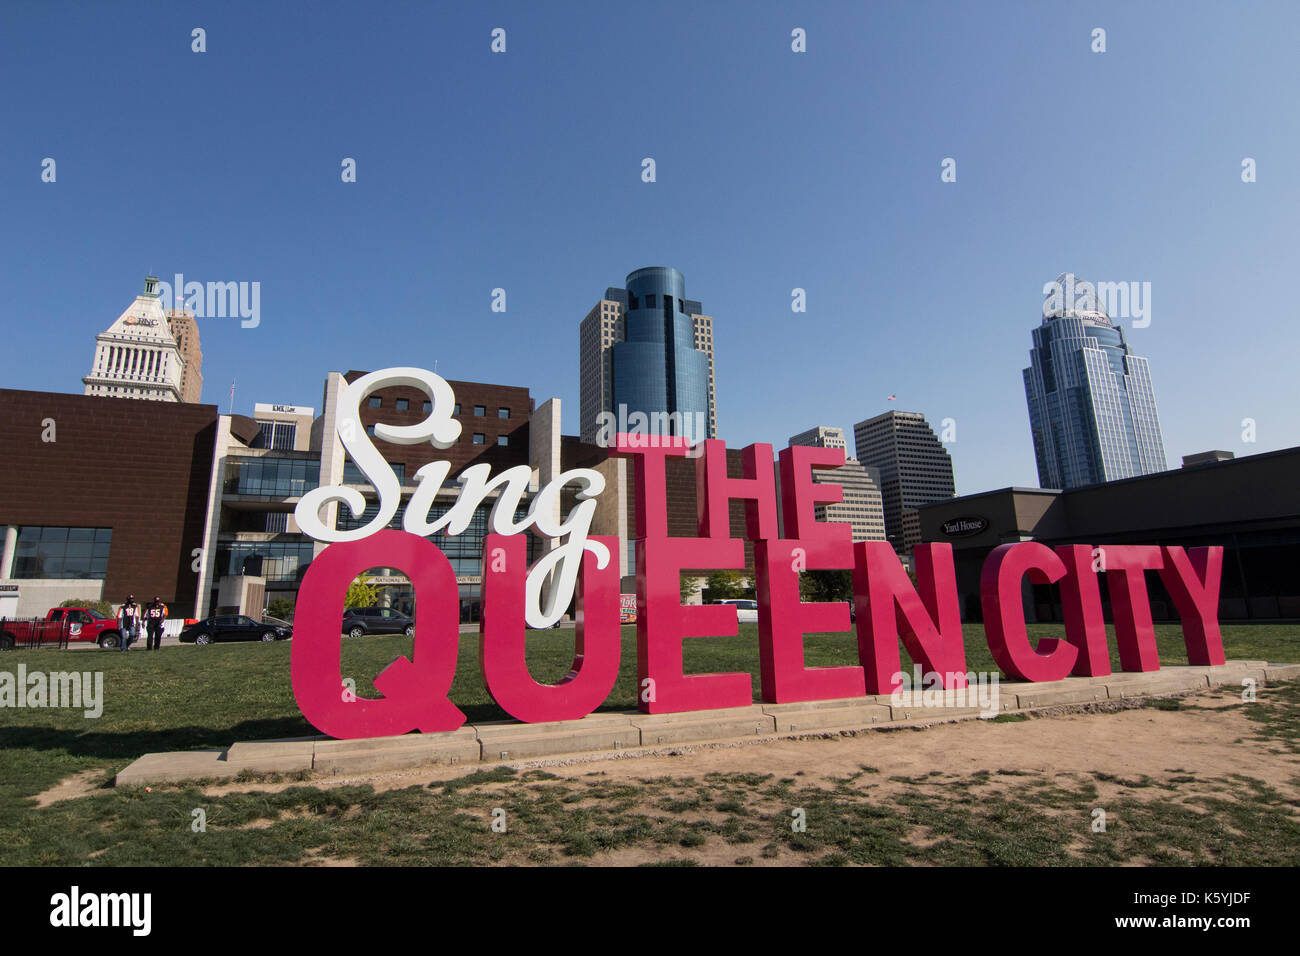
{"type": "Point", "coordinates": [714, 491]}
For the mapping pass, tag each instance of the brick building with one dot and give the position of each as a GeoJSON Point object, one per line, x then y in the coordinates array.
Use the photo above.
{"type": "Point", "coordinates": [100, 497]}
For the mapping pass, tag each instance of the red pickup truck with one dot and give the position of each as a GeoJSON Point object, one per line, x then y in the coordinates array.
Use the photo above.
{"type": "Point", "coordinates": [61, 624]}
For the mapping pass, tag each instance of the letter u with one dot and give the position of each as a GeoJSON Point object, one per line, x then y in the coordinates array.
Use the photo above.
{"type": "Point", "coordinates": [597, 642]}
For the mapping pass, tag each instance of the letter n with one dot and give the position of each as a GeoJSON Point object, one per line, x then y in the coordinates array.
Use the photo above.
{"type": "Point", "coordinates": [930, 620]}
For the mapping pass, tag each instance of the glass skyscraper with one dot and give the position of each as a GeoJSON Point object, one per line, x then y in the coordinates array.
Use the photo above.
{"type": "Point", "coordinates": [1091, 408]}
{"type": "Point", "coordinates": [647, 350]}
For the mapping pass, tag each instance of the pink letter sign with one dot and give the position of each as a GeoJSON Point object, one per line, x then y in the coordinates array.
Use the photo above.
{"type": "Point", "coordinates": [926, 616]}
{"type": "Point", "coordinates": [415, 691]}
{"type": "Point", "coordinates": [501, 636]}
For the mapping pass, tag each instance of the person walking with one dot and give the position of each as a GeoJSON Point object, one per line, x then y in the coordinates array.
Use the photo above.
{"type": "Point", "coordinates": [128, 622]}
{"type": "Point", "coordinates": [155, 615]}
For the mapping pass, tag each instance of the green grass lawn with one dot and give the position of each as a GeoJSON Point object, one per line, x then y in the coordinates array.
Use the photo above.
{"type": "Point", "coordinates": [187, 697]}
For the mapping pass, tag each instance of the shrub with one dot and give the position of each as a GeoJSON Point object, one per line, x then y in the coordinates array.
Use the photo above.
{"type": "Point", "coordinates": [103, 607]}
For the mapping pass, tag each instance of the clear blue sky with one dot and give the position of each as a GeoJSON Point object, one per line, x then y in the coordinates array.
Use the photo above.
{"type": "Point", "coordinates": [775, 170]}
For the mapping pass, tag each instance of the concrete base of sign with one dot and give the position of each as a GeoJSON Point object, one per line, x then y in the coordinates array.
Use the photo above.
{"type": "Point", "coordinates": [504, 741]}
{"type": "Point", "coordinates": [511, 740]}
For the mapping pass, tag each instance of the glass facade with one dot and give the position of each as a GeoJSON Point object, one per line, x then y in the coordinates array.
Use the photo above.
{"type": "Point", "coordinates": [465, 550]}
{"type": "Point", "coordinates": [45, 552]}
{"type": "Point", "coordinates": [274, 477]}
{"type": "Point", "coordinates": [279, 562]}
{"type": "Point", "coordinates": [1092, 410]}
{"type": "Point", "coordinates": [658, 372]}
{"type": "Point", "coordinates": [279, 436]}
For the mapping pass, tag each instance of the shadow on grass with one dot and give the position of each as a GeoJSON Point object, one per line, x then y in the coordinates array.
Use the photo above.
{"type": "Point", "coordinates": [129, 744]}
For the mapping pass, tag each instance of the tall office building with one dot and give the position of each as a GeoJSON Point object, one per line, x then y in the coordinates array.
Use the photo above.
{"type": "Point", "coordinates": [862, 505]}
{"type": "Point", "coordinates": [648, 350]}
{"type": "Point", "coordinates": [915, 469]}
{"type": "Point", "coordinates": [181, 324]}
{"type": "Point", "coordinates": [822, 436]}
{"type": "Point", "coordinates": [1092, 411]}
{"type": "Point", "coordinates": [136, 357]}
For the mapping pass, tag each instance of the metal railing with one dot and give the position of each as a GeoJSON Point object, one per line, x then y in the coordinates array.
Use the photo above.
{"type": "Point", "coordinates": [31, 633]}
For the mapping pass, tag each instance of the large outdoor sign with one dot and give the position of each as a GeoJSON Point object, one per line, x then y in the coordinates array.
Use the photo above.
{"type": "Point", "coordinates": [887, 604]}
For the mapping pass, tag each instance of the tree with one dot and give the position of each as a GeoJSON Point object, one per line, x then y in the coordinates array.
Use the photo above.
{"type": "Point", "coordinates": [361, 594]}
{"type": "Point", "coordinates": [725, 583]}
{"type": "Point", "coordinates": [689, 588]}
{"type": "Point", "coordinates": [281, 608]}
{"type": "Point", "coordinates": [826, 585]}
{"type": "Point", "coordinates": [103, 607]}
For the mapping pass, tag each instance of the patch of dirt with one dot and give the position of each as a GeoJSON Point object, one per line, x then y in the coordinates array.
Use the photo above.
{"type": "Point", "coordinates": [1212, 739]}
{"type": "Point", "coordinates": [261, 823]}
{"type": "Point", "coordinates": [1124, 749]}
{"type": "Point", "coordinates": [83, 784]}
{"type": "Point", "coordinates": [315, 858]}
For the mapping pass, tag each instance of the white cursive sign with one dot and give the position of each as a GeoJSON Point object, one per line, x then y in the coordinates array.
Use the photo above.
{"type": "Point", "coordinates": [559, 567]}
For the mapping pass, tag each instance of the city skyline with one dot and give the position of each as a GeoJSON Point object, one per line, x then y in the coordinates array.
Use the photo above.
{"type": "Point", "coordinates": [912, 286]}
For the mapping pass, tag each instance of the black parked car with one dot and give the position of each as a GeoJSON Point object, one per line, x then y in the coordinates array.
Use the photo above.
{"type": "Point", "coordinates": [233, 627]}
{"type": "Point", "coordinates": [359, 621]}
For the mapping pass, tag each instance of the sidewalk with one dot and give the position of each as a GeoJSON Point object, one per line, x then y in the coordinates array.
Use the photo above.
{"type": "Point", "coordinates": [174, 641]}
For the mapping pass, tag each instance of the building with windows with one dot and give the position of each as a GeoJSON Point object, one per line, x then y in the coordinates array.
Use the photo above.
{"type": "Point", "coordinates": [264, 465]}
{"type": "Point", "coordinates": [1092, 411]}
{"type": "Point", "coordinates": [647, 350]}
{"type": "Point", "coordinates": [914, 467]}
{"type": "Point", "coordinates": [862, 506]}
{"type": "Point", "coordinates": [1247, 506]}
{"type": "Point", "coordinates": [822, 436]}
{"type": "Point", "coordinates": [186, 333]}
{"type": "Point", "coordinates": [100, 498]}
{"type": "Point", "coordinates": [283, 427]}
{"type": "Point", "coordinates": [136, 356]}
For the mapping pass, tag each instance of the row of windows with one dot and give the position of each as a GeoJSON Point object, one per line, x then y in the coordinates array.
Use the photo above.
{"type": "Point", "coordinates": [402, 405]}
{"type": "Point", "coordinates": [57, 552]}
{"type": "Point", "coordinates": [468, 545]}
{"type": "Point", "coordinates": [279, 477]}
{"type": "Point", "coordinates": [279, 562]}
{"type": "Point", "coordinates": [478, 438]}
{"type": "Point", "coordinates": [352, 474]}
{"type": "Point", "coordinates": [279, 436]}
{"type": "Point", "coordinates": [651, 301]}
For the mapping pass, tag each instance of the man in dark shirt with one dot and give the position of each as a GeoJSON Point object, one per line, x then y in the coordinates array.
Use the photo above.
{"type": "Point", "coordinates": [128, 621]}
{"type": "Point", "coordinates": [155, 615]}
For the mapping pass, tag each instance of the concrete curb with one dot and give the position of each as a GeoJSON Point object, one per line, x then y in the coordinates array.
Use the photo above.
{"type": "Point", "coordinates": [498, 741]}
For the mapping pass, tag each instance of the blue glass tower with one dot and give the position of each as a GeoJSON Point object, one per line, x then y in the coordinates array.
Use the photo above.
{"type": "Point", "coordinates": [658, 372]}
{"type": "Point", "coordinates": [1091, 407]}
